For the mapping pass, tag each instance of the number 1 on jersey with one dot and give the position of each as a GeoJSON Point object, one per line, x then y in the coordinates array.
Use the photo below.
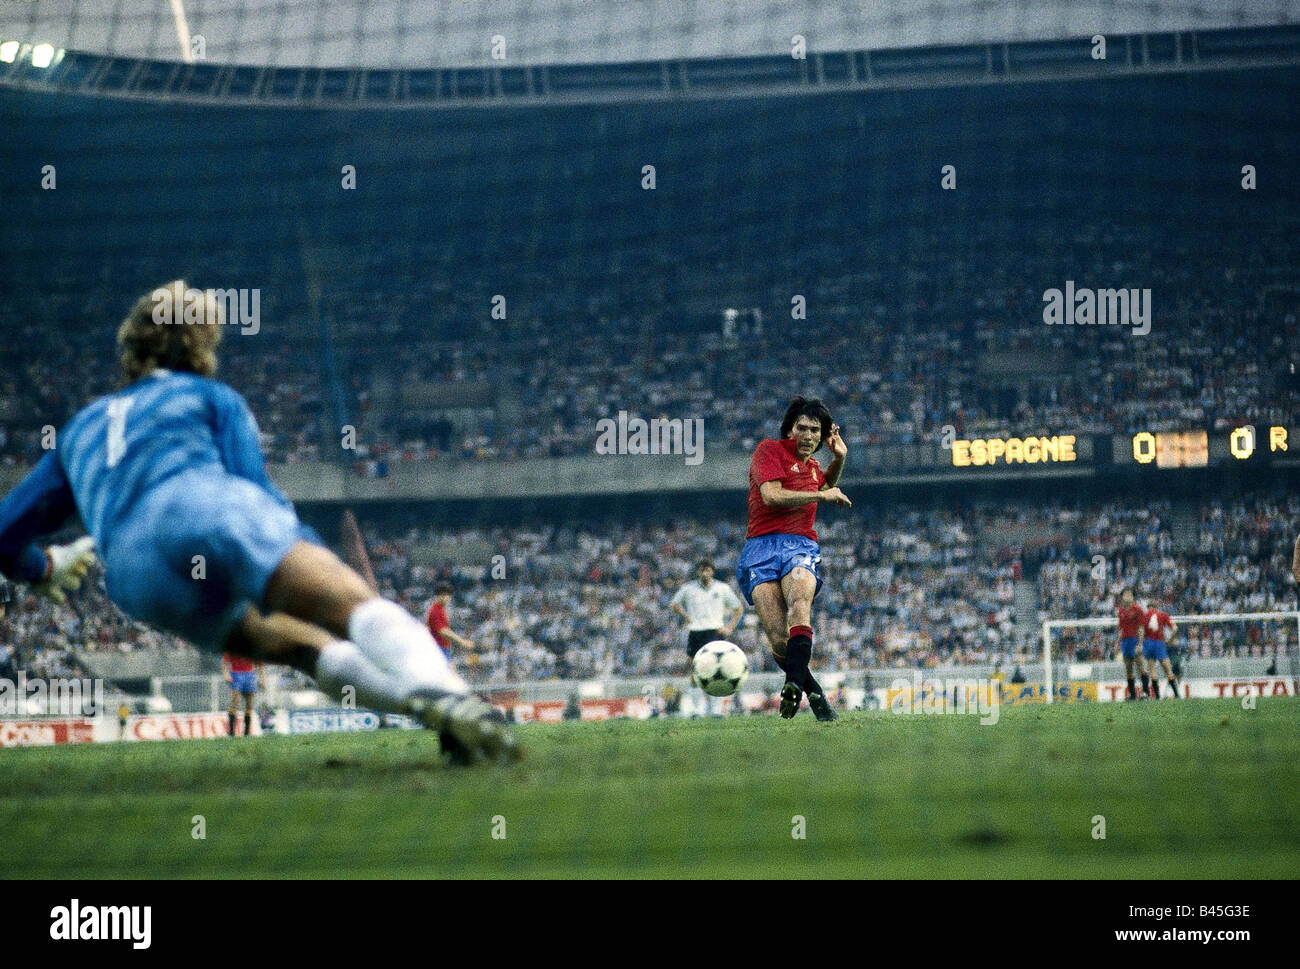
{"type": "Point", "coordinates": [117, 429]}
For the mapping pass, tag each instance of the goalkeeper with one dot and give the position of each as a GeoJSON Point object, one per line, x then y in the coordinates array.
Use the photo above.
{"type": "Point", "coordinates": [168, 477]}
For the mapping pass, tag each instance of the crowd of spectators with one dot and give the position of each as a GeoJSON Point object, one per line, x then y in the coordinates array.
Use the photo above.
{"type": "Point", "coordinates": [1234, 557]}
{"type": "Point", "coordinates": [920, 587]}
{"type": "Point", "coordinates": [903, 346]}
{"type": "Point", "coordinates": [900, 346]}
{"type": "Point", "coordinates": [60, 354]}
{"type": "Point", "coordinates": [45, 639]}
{"type": "Point", "coordinates": [908, 587]}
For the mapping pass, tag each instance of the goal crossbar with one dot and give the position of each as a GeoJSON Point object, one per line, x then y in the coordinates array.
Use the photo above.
{"type": "Point", "coordinates": [1101, 622]}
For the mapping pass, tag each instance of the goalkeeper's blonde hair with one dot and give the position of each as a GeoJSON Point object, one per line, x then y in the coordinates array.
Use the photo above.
{"type": "Point", "coordinates": [154, 334]}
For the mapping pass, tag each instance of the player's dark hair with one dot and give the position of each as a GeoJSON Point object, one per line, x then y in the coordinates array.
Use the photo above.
{"type": "Point", "coordinates": [147, 344]}
{"type": "Point", "coordinates": [442, 588]}
{"type": "Point", "coordinates": [806, 407]}
{"type": "Point", "coordinates": [703, 562]}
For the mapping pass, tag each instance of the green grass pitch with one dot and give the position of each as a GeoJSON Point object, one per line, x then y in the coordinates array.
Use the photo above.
{"type": "Point", "coordinates": [1197, 789]}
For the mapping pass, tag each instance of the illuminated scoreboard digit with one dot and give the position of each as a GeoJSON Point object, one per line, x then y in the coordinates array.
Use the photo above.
{"type": "Point", "coordinates": [1172, 449]}
{"type": "Point", "coordinates": [1197, 449]}
{"type": "Point", "coordinates": [1241, 443]}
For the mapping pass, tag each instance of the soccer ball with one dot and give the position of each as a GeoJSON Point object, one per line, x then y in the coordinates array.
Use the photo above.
{"type": "Point", "coordinates": [719, 668]}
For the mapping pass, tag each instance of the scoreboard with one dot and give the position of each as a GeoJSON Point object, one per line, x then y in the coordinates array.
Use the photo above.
{"type": "Point", "coordinates": [1256, 444]}
{"type": "Point", "coordinates": [1199, 449]}
{"type": "Point", "coordinates": [1172, 449]}
{"type": "Point", "coordinates": [989, 452]}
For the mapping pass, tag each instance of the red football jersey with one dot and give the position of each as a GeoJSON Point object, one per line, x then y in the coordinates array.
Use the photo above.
{"type": "Point", "coordinates": [1130, 620]}
{"type": "Point", "coordinates": [238, 664]}
{"type": "Point", "coordinates": [1154, 623]}
{"type": "Point", "coordinates": [437, 622]}
{"type": "Point", "coordinates": [775, 461]}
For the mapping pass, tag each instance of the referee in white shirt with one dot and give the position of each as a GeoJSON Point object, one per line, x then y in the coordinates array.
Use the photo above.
{"type": "Point", "coordinates": [711, 609]}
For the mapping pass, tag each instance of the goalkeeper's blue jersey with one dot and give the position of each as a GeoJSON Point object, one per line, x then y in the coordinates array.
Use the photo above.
{"type": "Point", "coordinates": [120, 447]}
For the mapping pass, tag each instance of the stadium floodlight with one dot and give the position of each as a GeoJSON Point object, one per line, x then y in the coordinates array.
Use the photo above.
{"type": "Point", "coordinates": [182, 30]}
{"type": "Point", "coordinates": [9, 51]}
{"type": "Point", "coordinates": [42, 55]}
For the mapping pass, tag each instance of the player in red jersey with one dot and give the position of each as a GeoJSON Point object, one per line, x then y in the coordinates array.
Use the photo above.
{"type": "Point", "coordinates": [1131, 616]}
{"type": "Point", "coordinates": [239, 676]}
{"type": "Point", "coordinates": [440, 626]}
{"type": "Point", "coordinates": [777, 570]}
{"type": "Point", "coordinates": [1156, 626]}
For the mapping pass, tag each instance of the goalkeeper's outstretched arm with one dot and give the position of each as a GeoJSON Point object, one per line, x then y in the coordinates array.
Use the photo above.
{"type": "Point", "coordinates": [40, 504]}
{"type": "Point", "coordinates": [1295, 561]}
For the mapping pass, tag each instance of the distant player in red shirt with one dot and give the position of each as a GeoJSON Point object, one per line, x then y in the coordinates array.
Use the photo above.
{"type": "Point", "coordinates": [1131, 616]}
{"type": "Point", "coordinates": [239, 676]}
{"type": "Point", "coordinates": [1157, 629]}
{"type": "Point", "coordinates": [777, 570]}
{"type": "Point", "coordinates": [440, 626]}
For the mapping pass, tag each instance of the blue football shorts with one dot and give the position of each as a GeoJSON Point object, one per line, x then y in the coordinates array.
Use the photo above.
{"type": "Point", "coordinates": [197, 551]}
{"type": "Point", "coordinates": [1154, 649]}
{"type": "Point", "coordinates": [769, 558]}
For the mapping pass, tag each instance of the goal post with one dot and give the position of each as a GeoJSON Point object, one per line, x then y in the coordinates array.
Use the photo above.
{"type": "Point", "coordinates": [1287, 623]}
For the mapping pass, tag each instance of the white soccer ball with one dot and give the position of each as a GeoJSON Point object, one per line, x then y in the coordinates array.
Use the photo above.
{"type": "Point", "coordinates": [720, 668]}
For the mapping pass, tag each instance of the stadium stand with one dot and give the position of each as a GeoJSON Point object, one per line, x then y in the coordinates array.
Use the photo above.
{"type": "Point", "coordinates": [922, 315]}
{"type": "Point", "coordinates": [898, 381]}
{"type": "Point", "coordinates": [918, 587]}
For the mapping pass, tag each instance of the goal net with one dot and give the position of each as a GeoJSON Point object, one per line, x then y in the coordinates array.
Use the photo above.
{"type": "Point", "coordinates": [1226, 654]}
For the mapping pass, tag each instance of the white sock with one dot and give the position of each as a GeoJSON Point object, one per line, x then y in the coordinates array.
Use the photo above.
{"type": "Point", "coordinates": [342, 669]}
{"type": "Point", "coordinates": [396, 642]}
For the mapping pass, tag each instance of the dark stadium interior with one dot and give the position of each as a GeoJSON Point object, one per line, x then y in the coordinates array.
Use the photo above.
{"type": "Point", "coordinates": [614, 294]}
{"type": "Point", "coordinates": [924, 310]}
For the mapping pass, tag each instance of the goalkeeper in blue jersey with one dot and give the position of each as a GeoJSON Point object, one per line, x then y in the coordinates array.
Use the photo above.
{"type": "Point", "coordinates": [168, 477]}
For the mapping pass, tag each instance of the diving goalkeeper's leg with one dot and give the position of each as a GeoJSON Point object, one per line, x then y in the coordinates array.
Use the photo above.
{"type": "Point", "coordinates": [314, 585]}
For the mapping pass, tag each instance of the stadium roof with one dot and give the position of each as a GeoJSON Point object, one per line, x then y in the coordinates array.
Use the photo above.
{"type": "Point", "coordinates": [424, 34]}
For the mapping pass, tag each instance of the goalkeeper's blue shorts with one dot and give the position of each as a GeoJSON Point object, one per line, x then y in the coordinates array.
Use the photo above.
{"type": "Point", "coordinates": [197, 551]}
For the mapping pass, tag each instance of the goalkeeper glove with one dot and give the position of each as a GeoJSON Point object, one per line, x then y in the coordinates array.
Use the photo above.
{"type": "Point", "coordinates": [66, 566]}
